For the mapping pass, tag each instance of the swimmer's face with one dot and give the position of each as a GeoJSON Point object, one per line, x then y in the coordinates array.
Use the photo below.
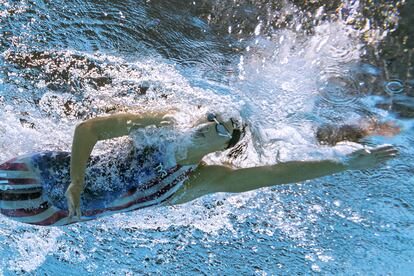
{"type": "Point", "coordinates": [206, 136]}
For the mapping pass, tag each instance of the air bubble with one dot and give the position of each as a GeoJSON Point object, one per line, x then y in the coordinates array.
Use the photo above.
{"type": "Point", "coordinates": [394, 87]}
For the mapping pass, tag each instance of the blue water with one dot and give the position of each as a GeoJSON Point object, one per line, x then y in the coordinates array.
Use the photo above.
{"type": "Point", "coordinates": [283, 67]}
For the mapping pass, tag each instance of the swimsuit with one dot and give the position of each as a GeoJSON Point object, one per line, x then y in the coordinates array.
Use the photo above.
{"type": "Point", "coordinates": [32, 188]}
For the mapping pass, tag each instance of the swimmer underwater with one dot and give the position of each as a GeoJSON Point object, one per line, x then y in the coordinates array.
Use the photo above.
{"type": "Point", "coordinates": [145, 178]}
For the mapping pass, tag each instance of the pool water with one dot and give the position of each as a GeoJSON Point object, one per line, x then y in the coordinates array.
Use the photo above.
{"type": "Point", "coordinates": [282, 67]}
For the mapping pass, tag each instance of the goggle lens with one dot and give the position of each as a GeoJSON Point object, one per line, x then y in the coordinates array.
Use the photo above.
{"type": "Point", "coordinates": [222, 130]}
{"type": "Point", "coordinates": [220, 127]}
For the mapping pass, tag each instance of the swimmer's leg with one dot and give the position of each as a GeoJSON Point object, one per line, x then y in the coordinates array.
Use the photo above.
{"type": "Point", "coordinates": [331, 134]}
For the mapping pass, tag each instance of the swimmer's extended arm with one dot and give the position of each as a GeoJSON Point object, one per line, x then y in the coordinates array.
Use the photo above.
{"type": "Point", "coordinates": [88, 133]}
{"type": "Point", "coordinates": [212, 179]}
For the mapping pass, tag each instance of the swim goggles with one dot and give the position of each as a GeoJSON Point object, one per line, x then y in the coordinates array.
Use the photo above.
{"type": "Point", "coordinates": [220, 127]}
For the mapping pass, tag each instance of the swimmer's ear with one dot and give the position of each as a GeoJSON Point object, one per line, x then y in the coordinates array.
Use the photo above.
{"type": "Point", "coordinates": [236, 123]}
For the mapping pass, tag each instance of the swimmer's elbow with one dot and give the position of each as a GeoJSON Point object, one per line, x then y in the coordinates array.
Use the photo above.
{"type": "Point", "coordinates": [83, 131]}
{"type": "Point", "coordinates": [82, 128]}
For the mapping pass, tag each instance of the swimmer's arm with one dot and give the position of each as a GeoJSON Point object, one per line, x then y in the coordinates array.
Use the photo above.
{"type": "Point", "coordinates": [89, 132]}
{"type": "Point", "coordinates": [212, 179]}
{"type": "Point", "coordinates": [215, 179]}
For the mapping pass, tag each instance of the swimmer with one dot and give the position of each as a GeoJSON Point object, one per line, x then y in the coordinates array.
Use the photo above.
{"type": "Point", "coordinates": [147, 179]}
{"type": "Point", "coordinates": [214, 135]}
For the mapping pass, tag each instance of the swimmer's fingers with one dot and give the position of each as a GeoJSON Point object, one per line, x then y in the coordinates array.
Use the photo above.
{"type": "Point", "coordinates": [384, 153]}
{"type": "Point", "coordinates": [378, 151]}
{"type": "Point", "coordinates": [71, 206]}
{"type": "Point", "coordinates": [384, 149]}
{"type": "Point", "coordinates": [386, 156]}
{"type": "Point", "coordinates": [73, 199]}
{"type": "Point", "coordinates": [78, 212]}
{"type": "Point", "coordinates": [368, 158]}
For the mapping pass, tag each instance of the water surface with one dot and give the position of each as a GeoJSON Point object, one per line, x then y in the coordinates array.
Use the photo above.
{"type": "Point", "coordinates": [283, 67]}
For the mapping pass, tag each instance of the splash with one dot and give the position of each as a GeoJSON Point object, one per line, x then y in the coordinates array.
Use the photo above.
{"type": "Point", "coordinates": [71, 87]}
{"type": "Point", "coordinates": [284, 67]}
{"type": "Point", "coordinates": [283, 77]}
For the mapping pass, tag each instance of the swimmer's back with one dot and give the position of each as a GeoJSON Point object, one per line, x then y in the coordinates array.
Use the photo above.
{"type": "Point", "coordinates": [32, 187]}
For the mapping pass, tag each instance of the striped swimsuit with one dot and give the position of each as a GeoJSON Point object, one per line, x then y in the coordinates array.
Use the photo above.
{"type": "Point", "coordinates": [32, 187]}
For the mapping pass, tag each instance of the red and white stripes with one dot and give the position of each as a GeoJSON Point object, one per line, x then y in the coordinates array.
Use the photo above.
{"type": "Point", "coordinates": [21, 195]}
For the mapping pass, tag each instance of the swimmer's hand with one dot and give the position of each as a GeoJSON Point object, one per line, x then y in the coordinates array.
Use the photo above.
{"type": "Point", "coordinates": [73, 197]}
{"type": "Point", "coordinates": [368, 158]}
